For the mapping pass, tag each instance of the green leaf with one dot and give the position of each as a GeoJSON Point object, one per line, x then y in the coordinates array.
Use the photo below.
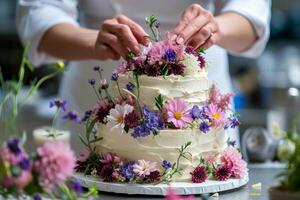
{"type": "Point", "coordinates": [201, 51]}
{"type": "Point", "coordinates": [130, 56]}
{"type": "Point", "coordinates": [159, 101]}
{"type": "Point", "coordinates": [96, 140]}
{"type": "Point", "coordinates": [82, 141]}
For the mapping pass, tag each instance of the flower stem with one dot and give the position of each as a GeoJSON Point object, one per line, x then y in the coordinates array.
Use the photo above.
{"type": "Point", "coordinates": [53, 132]}
{"type": "Point", "coordinates": [119, 90]}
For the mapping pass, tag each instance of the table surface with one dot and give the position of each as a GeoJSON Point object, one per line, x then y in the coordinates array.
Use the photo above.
{"type": "Point", "coordinates": [263, 175]}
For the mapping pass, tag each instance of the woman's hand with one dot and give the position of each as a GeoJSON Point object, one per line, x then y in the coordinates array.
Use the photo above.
{"type": "Point", "coordinates": [117, 37]}
{"type": "Point", "coordinates": [197, 27]}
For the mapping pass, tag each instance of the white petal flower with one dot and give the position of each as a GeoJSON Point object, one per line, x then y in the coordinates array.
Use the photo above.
{"type": "Point", "coordinates": [117, 115]}
{"type": "Point", "coordinates": [144, 168]}
{"type": "Point", "coordinates": [191, 63]}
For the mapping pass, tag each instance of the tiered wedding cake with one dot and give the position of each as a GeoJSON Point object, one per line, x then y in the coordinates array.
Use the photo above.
{"type": "Point", "coordinates": [160, 120]}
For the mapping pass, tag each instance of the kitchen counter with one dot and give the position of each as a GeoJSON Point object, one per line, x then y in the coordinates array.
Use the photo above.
{"type": "Point", "coordinates": [257, 174]}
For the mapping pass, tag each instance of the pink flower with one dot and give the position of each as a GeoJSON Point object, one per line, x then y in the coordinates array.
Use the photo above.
{"type": "Point", "coordinates": [171, 195]}
{"type": "Point", "coordinates": [144, 168]}
{"type": "Point", "coordinates": [121, 69]}
{"type": "Point", "coordinates": [223, 172]}
{"type": "Point", "coordinates": [110, 158]}
{"type": "Point", "coordinates": [222, 101]}
{"type": "Point", "coordinates": [55, 164]}
{"type": "Point", "coordinates": [199, 175]}
{"type": "Point", "coordinates": [103, 82]}
{"type": "Point", "coordinates": [232, 158]}
{"type": "Point", "coordinates": [216, 115]}
{"type": "Point", "coordinates": [178, 113]}
{"type": "Point", "coordinates": [84, 154]}
{"type": "Point", "coordinates": [210, 158]}
{"type": "Point", "coordinates": [20, 182]}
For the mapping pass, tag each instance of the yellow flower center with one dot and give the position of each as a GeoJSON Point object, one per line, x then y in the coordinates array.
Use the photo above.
{"type": "Point", "coordinates": [178, 115]}
{"type": "Point", "coordinates": [216, 115]}
{"type": "Point", "coordinates": [120, 119]}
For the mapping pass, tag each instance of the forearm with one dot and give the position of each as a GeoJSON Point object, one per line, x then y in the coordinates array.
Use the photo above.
{"type": "Point", "coordinates": [69, 42]}
{"type": "Point", "coordinates": [237, 33]}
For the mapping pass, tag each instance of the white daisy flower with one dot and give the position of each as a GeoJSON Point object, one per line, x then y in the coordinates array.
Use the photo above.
{"type": "Point", "coordinates": [117, 115]}
{"type": "Point", "coordinates": [144, 168]}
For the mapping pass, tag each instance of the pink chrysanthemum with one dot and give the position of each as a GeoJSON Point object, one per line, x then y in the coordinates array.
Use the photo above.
{"type": "Point", "coordinates": [178, 113]}
{"type": "Point", "coordinates": [232, 158]}
{"type": "Point", "coordinates": [223, 172]}
{"type": "Point", "coordinates": [199, 175]}
{"type": "Point", "coordinates": [55, 164]}
{"type": "Point", "coordinates": [171, 195]}
{"type": "Point", "coordinates": [216, 115]}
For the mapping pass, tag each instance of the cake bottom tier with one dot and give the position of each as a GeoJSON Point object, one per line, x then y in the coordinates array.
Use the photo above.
{"type": "Point", "coordinates": [163, 146]}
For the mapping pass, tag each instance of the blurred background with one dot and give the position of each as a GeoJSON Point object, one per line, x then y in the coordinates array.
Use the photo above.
{"type": "Point", "coordinates": [267, 88]}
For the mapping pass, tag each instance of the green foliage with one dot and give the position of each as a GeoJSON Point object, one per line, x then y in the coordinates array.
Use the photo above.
{"type": "Point", "coordinates": [159, 101]}
{"type": "Point", "coordinates": [291, 174]}
{"type": "Point", "coordinates": [152, 23]}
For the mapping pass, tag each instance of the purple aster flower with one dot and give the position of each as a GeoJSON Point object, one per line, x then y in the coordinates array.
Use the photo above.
{"type": "Point", "coordinates": [76, 186]}
{"type": "Point", "coordinates": [140, 131]}
{"type": "Point", "coordinates": [234, 122]}
{"type": "Point", "coordinates": [190, 50]}
{"type": "Point", "coordinates": [166, 164]}
{"type": "Point", "coordinates": [201, 61]}
{"type": "Point", "coordinates": [152, 70]}
{"type": "Point", "coordinates": [131, 120]}
{"type": "Point", "coordinates": [204, 127]}
{"type": "Point", "coordinates": [127, 170]}
{"type": "Point", "coordinates": [154, 176]}
{"type": "Point", "coordinates": [96, 68]}
{"type": "Point", "coordinates": [58, 104]}
{"type": "Point", "coordinates": [130, 86]}
{"type": "Point", "coordinates": [24, 163]}
{"type": "Point", "coordinates": [37, 196]}
{"type": "Point", "coordinates": [13, 145]}
{"type": "Point", "coordinates": [176, 69]}
{"type": "Point", "coordinates": [170, 55]}
{"type": "Point", "coordinates": [195, 112]}
{"type": "Point", "coordinates": [114, 77]}
{"type": "Point", "coordinates": [92, 81]}
{"type": "Point", "coordinates": [107, 173]}
{"type": "Point", "coordinates": [231, 143]}
{"type": "Point", "coordinates": [157, 24]}
{"type": "Point", "coordinates": [72, 116]}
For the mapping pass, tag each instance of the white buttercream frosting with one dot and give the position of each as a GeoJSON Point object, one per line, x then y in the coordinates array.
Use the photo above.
{"type": "Point", "coordinates": [164, 146]}
{"type": "Point", "coordinates": [193, 89]}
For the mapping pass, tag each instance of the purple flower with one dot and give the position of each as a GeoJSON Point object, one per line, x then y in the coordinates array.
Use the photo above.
{"type": "Point", "coordinates": [204, 127]}
{"type": "Point", "coordinates": [153, 176]}
{"type": "Point", "coordinates": [223, 173]}
{"type": "Point", "coordinates": [87, 115]}
{"type": "Point", "coordinates": [72, 116]}
{"type": "Point", "coordinates": [101, 110]}
{"type": "Point", "coordinates": [170, 55]}
{"type": "Point", "coordinates": [199, 175]}
{"type": "Point", "coordinates": [234, 122]}
{"type": "Point", "coordinates": [166, 164]}
{"type": "Point", "coordinates": [96, 68]}
{"type": "Point", "coordinates": [76, 186]}
{"type": "Point", "coordinates": [152, 123]}
{"type": "Point", "coordinates": [152, 70]}
{"type": "Point", "coordinates": [190, 50]}
{"type": "Point", "coordinates": [92, 81]}
{"type": "Point", "coordinates": [130, 86]}
{"type": "Point", "coordinates": [114, 77]}
{"type": "Point", "coordinates": [25, 163]}
{"type": "Point", "coordinates": [58, 104]}
{"type": "Point", "coordinates": [37, 196]}
{"type": "Point", "coordinates": [176, 69]}
{"type": "Point", "coordinates": [13, 146]}
{"type": "Point", "coordinates": [156, 24]}
{"type": "Point", "coordinates": [107, 173]}
{"type": "Point", "coordinates": [131, 120]}
{"type": "Point", "coordinates": [195, 112]}
{"type": "Point", "coordinates": [201, 61]}
{"type": "Point", "coordinates": [127, 170]}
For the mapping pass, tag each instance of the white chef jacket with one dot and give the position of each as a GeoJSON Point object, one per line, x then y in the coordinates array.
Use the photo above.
{"type": "Point", "coordinates": [35, 17]}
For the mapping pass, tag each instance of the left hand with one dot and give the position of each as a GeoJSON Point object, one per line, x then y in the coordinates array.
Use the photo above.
{"type": "Point", "coordinates": [197, 27]}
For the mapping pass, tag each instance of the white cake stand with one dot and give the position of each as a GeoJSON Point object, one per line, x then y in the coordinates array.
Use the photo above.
{"type": "Point", "coordinates": [209, 186]}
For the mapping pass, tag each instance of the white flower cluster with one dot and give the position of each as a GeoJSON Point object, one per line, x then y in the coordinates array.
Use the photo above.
{"type": "Point", "coordinates": [191, 64]}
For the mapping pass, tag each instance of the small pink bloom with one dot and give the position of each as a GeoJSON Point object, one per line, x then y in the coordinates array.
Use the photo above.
{"type": "Point", "coordinates": [20, 182]}
{"type": "Point", "coordinates": [103, 82]}
{"type": "Point", "coordinates": [216, 115]}
{"type": "Point", "coordinates": [55, 164]}
{"type": "Point", "coordinates": [178, 113]}
{"type": "Point", "coordinates": [171, 195]}
{"type": "Point", "coordinates": [232, 158]}
{"type": "Point", "coordinates": [221, 101]}
{"type": "Point", "coordinates": [110, 158]}
{"type": "Point", "coordinates": [84, 154]}
{"type": "Point", "coordinates": [122, 68]}
{"type": "Point", "coordinates": [210, 158]}
{"type": "Point", "coordinates": [144, 168]}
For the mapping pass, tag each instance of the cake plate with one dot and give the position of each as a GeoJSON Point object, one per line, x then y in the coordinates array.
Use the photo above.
{"type": "Point", "coordinates": [209, 186]}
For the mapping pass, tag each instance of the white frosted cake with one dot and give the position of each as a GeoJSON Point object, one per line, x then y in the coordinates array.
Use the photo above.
{"type": "Point", "coordinates": [159, 120]}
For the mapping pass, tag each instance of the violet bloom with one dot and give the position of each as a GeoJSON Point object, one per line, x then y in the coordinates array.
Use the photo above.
{"type": "Point", "coordinates": [25, 163]}
{"type": "Point", "coordinates": [204, 127]}
{"type": "Point", "coordinates": [114, 77]}
{"type": "Point", "coordinates": [170, 55]}
{"type": "Point", "coordinates": [72, 116]}
{"type": "Point", "coordinates": [130, 86]}
{"type": "Point", "coordinates": [14, 146]}
{"type": "Point", "coordinates": [195, 112]}
{"type": "Point", "coordinates": [92, 81]}
{"type": "Point", "coordinates": [127, 170]}
{"type": "Point", "coordinates": [76, 186]}
{"type": "Point", "coordinates": [166, 164]}
{"type": "Point", "coordinates": [58, 104]}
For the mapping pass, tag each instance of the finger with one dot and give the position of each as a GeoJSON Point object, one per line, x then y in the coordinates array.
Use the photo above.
{"type": "Point", "coordinates": [105, 52]}
{"type": "Point", "coordinates": [208, 43]}
{"type": "Point", "coordinates": [113, 42]}
{"type": "Point", "coordinates": [125, 36]}
{"type": "Point", "coordinates": [136, 29]}
{"type": "Point", "coordinates": [190, 13]}
{"type": "Point", "coordinates": [192, 28]}
{"type": "Point", "coordinates": [202, 35]}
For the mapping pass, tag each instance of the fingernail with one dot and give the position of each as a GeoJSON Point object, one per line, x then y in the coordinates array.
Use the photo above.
{"type": "Point", "coordinates": [180, 40]}
{"type": "Point", "coordinates": [173, 37]}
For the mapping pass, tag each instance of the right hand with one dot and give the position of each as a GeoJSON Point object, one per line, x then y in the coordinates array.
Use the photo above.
{"type": "Point", "coordinates": [117, 37]}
